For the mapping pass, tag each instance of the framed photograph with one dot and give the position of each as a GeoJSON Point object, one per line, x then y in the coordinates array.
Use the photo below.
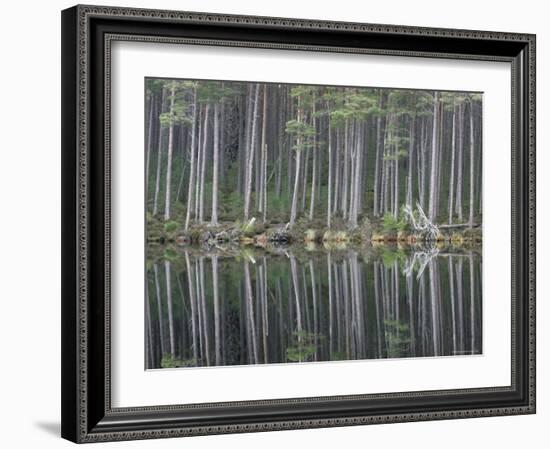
{"type": "Point", "coordinates": [277, 224]}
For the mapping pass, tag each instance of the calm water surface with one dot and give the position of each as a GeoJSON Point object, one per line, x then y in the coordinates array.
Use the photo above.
{"type": "Point", "coordinates": [235, 306]}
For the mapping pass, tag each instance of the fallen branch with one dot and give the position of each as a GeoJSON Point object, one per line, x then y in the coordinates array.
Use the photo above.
{"type": "Point", "coordinates": [458, 225]}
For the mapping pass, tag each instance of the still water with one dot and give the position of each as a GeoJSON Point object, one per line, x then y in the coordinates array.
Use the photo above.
{"type": "Point", "coordinates": [235, 306]}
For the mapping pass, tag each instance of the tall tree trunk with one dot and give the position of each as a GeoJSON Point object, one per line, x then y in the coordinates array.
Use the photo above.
{"type": "Point", "coordinates": [281, 137]}
{"type": "Point", "coordinates": [329, 182]}
{"type": "Point", "coordinates": [167, 196]}
{"type": "Point", "coordinates": [264, 156]}
{"type": "Point", "coordinates": [335, 203]}
{"type": "Point", "coordinates": [203, 162]}
{"type": "Point", "coordinates": [250, 162]}
{"type": "Point", "coordinates": [152, 108]}
{"type": "Point", "coordinates": [423, 145]}
{"type": "Point", "coordinates": [460, 162]}
{"type": "Point", "coordinates": [434, 159]}
{"type": "Point", "coordinates": [294, 207]}
{"type": "Point", "coordinates": [199, 164]}
{"type": "Point", "coordinates": [345, 179]}
{"type": "Point", "coordinates": [411, 160]}
{"type": "Point", "coordinates": [472, 166]}
{"type": "Point", "coordinates": [192, 162]}
{"type": "Point", "coordinates": [440, 150]}
{"type": "Point", "coordinates": [452, 177]}
{"type": "Point", "coordinates": [314, 167]}
{"type": "Point", "coordinates": [378, 158]}
{"type": "Point", "coordinates": [296, 188]}
{"type": "Point", "coordinates": [357, 181]}
{"type": "Point", "coordinates": [304, 179]}
{"type": "Point", "coordinates": [159, 157]}
{"type": "Point", "coordinates": [215, 169]}
{"type": "Point", "coordinates": [263, 149]}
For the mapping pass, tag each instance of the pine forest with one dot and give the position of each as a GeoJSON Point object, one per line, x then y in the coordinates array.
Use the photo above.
{"type": "Point", "coordinates": [302, 223]}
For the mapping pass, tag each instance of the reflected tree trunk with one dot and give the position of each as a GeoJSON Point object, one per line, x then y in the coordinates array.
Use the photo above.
{"type": "Point", "coordinates": [216, 295]}
{"type": "Point", "coordinates": [168, 274]}
{"type": "Point", "coordinates": [159, 310]}
{"type": "Point", "coordinates": [250, 313]}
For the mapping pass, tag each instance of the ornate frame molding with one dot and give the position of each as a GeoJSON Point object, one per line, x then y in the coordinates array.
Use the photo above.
{"type": "Point", "coordinates": [80, 413]}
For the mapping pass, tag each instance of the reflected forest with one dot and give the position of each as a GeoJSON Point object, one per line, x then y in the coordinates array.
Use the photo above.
{"type": "Point", "coordinates": [300, 223]}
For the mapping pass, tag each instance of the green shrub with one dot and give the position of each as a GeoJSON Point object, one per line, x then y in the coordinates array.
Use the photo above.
{"type": "Point", "coordinates": [390, 224]}
{"type": "Point", "coordinates": [170, 226]}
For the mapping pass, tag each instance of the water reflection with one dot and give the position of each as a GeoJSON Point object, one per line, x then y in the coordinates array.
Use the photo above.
{"type": "Point", "coordinates": [229, 306]}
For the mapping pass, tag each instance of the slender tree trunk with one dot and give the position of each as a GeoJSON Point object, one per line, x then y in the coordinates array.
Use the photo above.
{"type": "Point", "coordinates": [330, 304]}
{"type": "Point", "coordinates": [337, 173]}
{"type": "Point", "coordinates": [346, 171]}
{"type": "Point", "coordinates": [159, 158]}
{"type": "Point", "coordinates": [357, 181]}
{"type": "Point", "coordinates": [204, 314]}
{"type": "Point", "coordinates": [460, 162]}
{"type": "Point", "coordinates": [453, 307]}
{"type": "Point", "coordinates": [192, 301]}
{"type": "Point", "coordinates": [423, 170]}
{"type": "Point", "coordinates": [199, 165]}
{"type": "Point", "coordinates": [250, 310]}
{"type": "Point", "coordinates": [203, 162]}
{"type": "Point", "coordinates": [159, 310]}
{"type": "Point", "coordinates": [452, 177]}
{"type": "Point", "coordinates": [472, 304]}
{"type": "Point", "coordinates": [329, 182]}
{"type": "Point", "coordinates": [314, 167]}
{"type": "Point", "coordinates": [294, 206]}
{"type": "Point", "coordinates": [296, 188]}
{"type": "Point", "coordinates": [304, 180]}
{"type": "Point", "coordinates": [378, 158]}
{"type": "Point", "coordinates": [250, 164]}
{"type": "Point", "coordinates": [152, 103]}
{"type": "Point", "coordinates": [192, 162]}
{"type": "Point", "coordinates": [167, 196]}
{"type": "Point", "coordinates": [411, 160]}
{"type": "Point", "coordinates": [434, 159]}
{"type": "Point", "coordinates": [280, 144]}
{"type": "Point", "coordinates": [168, 273]}
{"type": "Point", "coordinates": [440, 151]}
{"type": "Point", "coordinates": [215, 168]}
{"type": "Point", "coordinates": [460, 303]}
{"type": "Point", "coordinates": [434, 298]}
{"type": "Point", "coordinates": [294, 273]}
{"type": "Point", "coordinates": [263, 149]}
{"type": "Point", "coordinates": [472, 166]}
{"type": "Point", "coordinates": [264, 156]}
{"type": "Point", "coordinates": [150, 360]}
{"type": "Point", "coordinates": [215, 293]}
{"type": "Point", "coordinates": [396, 183]}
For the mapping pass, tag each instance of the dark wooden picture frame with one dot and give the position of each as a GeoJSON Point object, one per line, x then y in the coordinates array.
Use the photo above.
{"type": "Point", "coordinates": [87, 33]}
